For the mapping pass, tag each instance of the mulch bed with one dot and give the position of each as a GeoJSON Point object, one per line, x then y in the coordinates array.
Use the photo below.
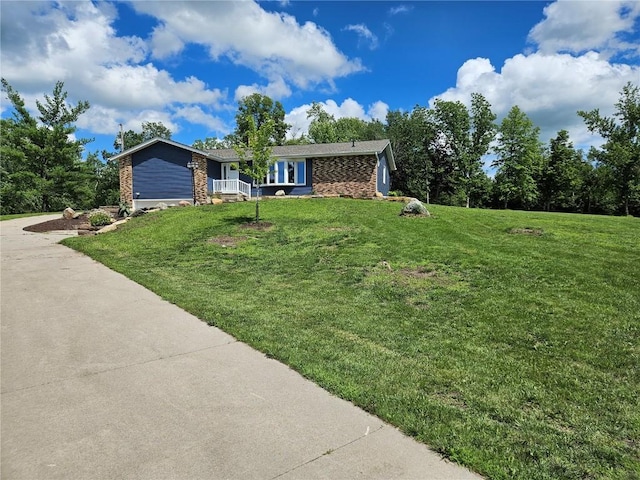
{"type": "Point", "coordinates": [59, 224]}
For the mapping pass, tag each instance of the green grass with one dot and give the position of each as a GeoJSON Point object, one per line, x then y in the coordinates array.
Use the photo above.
{"type": "Point", "coordinates": [514, 354]}
{"type": "Point", "coordinates": [12, 216]}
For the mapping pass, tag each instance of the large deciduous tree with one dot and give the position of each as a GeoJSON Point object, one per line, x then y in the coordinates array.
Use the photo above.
{"type": "Point", "coordinates": [212, 143]}
{"type": "Point", "coordinates": [410, 135]}
{"type": "Point", "coordinates": [260, 110]}
{"type": "Point", "coordinates": [518, 159]}
{"type": "Point", "coordinates": [621, 151]}
{"type": "Point", "coordinates": [563, 175]}
{"type": "Point", "coordinates": [324, 128]}
{"type": "Point", "coordinates": [42, 169]}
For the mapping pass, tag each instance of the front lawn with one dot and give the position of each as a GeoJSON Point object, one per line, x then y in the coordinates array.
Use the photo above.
{"type": "Point", "coordinates": [507, 341]}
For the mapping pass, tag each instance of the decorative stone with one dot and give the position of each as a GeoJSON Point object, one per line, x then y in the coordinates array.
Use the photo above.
{"type": "Point", "coordinates": [68, 213]}
{"type": "Point", "coordinates": [379, 195]}
{"type": "Point", "coordinates": [184, 203]}
{"type": "Point", "coordinates": [280, 193]}
{"type": "Point", "coordinates": [217, 201]}
{"type": "Point", "coordinates": [161, 206]}
{"type": "Point", "coordinates": [415, 207]}
{"type": "Point", "coordinates": [108, 228]}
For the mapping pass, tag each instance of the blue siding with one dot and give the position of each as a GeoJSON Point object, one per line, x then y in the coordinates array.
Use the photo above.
{"type": "Point", "coordinates": [214, 172]}
{"type": "Point", "coordinates": [160, 171]}
{"type": "Point", "coordinates": [383, 174]}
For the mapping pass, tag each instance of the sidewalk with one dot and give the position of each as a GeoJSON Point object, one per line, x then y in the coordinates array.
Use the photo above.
{"type": "Point", "coordinates": [102, 379]}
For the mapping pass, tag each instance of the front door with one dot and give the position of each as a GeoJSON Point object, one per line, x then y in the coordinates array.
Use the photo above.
{"type": "Point", "coordinates": [230, 172]}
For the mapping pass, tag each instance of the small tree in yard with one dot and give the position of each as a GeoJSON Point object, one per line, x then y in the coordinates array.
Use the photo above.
{"type": "Point", "coordinates": [255, 155]}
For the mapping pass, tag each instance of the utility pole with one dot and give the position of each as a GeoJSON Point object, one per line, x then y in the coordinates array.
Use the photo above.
{"type": "Point", "coordinates": [121, 139]}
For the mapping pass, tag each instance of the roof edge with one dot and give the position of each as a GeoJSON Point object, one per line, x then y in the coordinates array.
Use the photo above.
{"type": "Point", "coordinates": [154, 140]}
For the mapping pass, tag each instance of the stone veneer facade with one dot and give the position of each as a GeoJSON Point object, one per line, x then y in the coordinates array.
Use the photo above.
{"type": "Point", "coordinates": [126, 180]}
{"type": "Point", "coordinates": [353, 175]}
{"type": "Point", "coordinates": [200, 178]}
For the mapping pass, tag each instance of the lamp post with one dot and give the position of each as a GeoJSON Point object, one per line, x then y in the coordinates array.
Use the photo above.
{"type": "Point", "coordinates": [191, 165]}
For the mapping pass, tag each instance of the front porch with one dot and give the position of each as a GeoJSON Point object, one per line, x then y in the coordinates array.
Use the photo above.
{"type": "Point", "coordinates": [231, 187]}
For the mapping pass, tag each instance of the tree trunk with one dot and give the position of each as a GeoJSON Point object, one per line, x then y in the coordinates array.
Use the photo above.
{"type": "Point", "coordinates": [626, 205]}
{"type": "Point", "coordinates": [468, 201]}
{"type": "Point", "coordinates": [258, 205]}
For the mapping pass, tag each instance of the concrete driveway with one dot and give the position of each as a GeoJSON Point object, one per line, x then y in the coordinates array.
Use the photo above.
{"type": "Point", "coordinates": [102, 379]}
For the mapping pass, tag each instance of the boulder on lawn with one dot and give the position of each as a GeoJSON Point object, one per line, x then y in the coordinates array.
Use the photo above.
{"type": "Point", "coordinates": [416, 208]}
{"type": "Point", "coordinates": [161, 206]}
{"type": "Point", "coordinates": [68, 213]}
{"type": "Point", "coordinates": [280, 193]}
{"type": "Point", "coordinates": [184, 203]}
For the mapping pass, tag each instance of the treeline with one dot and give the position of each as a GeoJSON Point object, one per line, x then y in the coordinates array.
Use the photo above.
{"type": "Point", "coordinates": [440, 153]}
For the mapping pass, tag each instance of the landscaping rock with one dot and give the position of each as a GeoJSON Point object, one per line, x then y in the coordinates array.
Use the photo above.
{"type": "Point", "coordinates": [68, 213]}
{"type": "Point", "coordinates": [184, 203]}
{"type": "Point", "coordinates": [108, 228]}
{"type": "Point", "coordinates": [416, 208]}
{"type": "Point", "coordinates": [217, 201]}
{"type": "Point", "coordinates": [280, 193]}
{"type": "Point", "coordinates": [161, 206]}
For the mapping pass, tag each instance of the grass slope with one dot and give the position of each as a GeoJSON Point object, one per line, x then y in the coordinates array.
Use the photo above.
{"type": "Point", "coordinates": [515, 354]}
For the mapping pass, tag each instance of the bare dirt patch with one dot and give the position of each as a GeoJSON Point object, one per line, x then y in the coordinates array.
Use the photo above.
{"type": "Point", "coordinates": [226, 240]}
{"type": "Point", "coordinates": [418, 272]}
{"type": "Point", "coordinates": [536, 232]}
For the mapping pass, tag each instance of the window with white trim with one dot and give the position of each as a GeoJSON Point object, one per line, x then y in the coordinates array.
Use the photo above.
{"type": "Point", "coordinates": [287, 172]}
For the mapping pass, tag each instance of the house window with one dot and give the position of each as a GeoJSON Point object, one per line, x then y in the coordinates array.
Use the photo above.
{"type": "Point", "coordinates": [286, 172]}
{"type": "Point", "coordinates": [384, 175]}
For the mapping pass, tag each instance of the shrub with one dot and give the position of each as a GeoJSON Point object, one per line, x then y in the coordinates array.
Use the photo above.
{"type": "Point", "coordinates": [99, 218]}
{"type": "Point", "coordinates": [124, 210]}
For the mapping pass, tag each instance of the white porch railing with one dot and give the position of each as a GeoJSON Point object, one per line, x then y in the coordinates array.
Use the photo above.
{"type": "Point", "coordinates": [232, 186]}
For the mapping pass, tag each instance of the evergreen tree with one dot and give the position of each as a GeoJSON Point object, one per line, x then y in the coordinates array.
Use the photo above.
{"type": "Point", "coordinates": [42, 169]}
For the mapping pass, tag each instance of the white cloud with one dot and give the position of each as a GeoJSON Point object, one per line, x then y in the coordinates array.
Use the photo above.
{"type": "Point", "coordinates": [378, 111]}
{"type": "Point", "coordinates": [364, 35]}
{"type": "Point", "coordinates": [104, 120]}
{"type": "Point", "coordinates": [571, 70]}
{"type": "Point", "coordinates": [549, 88]}
{"type": "Point", "coordinates": [400, 9]}
{"type": "Point", "coordinates": [578, 26]}
{"type": "Point", "coordinates": [277, 89]}
{"type": "Point", "coordinates": [299, 122]}
{"type": "Point", "coordinates": [272, 44]}
{"type": "Point", "coordinates": [195, 115]}
{"type": "Point", "coordinates": [76, 43]}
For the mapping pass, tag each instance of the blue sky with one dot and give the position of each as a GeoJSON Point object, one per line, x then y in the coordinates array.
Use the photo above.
{"type": "Point", "coordinates": [187, 64]}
